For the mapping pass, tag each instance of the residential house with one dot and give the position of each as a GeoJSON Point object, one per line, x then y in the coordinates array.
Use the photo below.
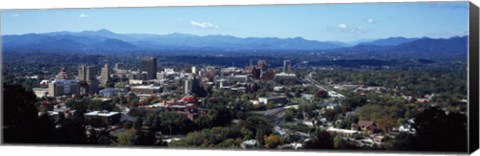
{"type": "Point", "coordinates": [364, 125]}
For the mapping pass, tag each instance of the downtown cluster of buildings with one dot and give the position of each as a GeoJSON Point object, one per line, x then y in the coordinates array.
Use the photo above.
{"type": "Point", "coordinates": [148, 81]}
{"type": "Point", "coordinates": [87, 82]}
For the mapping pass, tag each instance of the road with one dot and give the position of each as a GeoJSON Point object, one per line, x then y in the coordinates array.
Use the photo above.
{"type": "Point", "coordinates": [275, 114]}
{"type": "Point", "coordinates": [315, 83]}
{"type": "Point", "coordinates": [332, 93]}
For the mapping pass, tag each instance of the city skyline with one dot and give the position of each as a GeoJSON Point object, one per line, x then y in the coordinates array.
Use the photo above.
{"type": "Point", "coordinates": [323, 22]}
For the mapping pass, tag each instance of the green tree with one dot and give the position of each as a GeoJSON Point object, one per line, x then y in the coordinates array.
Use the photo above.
{"type": "Point", "coordinates": [351, 119]}
{"type": "Point", "coordinates": [437, 131]}
{"type": "Point", "coordinates": [290, 114]}
{"type": "Point", "coordinates": [228, 143]}
{"type": "Point", "coordinates": [173, 121]}
{"type": "Point", "coordinates": [320, 140]}
{"type": "Point", "coordinates": [21, 123]}
{"type": "Point", "coordinates": [138, 123]}
{"type": "Point", "coordinates": [228, 137]}
{"type": "Point", "coordinates": [206, 120]}
{"type": "Point", "coordinates": [403, 142]}
{"type": "Point", "coordinates": [128, 136]}
{"type": "Point", "coordinates": [339, 143]}
{"type": "Point", "coordinates": [259, 135]}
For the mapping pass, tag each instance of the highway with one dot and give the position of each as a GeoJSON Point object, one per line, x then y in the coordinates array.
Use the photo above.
{"type": "Point", "coordinates": [315, 83]}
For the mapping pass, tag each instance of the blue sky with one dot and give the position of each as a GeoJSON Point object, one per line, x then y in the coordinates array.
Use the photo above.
{"type": "Point", "coordinates": [324, 22]}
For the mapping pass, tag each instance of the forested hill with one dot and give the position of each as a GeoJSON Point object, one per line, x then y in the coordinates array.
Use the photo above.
{"type": "Point", "coordinates": [107, 42]}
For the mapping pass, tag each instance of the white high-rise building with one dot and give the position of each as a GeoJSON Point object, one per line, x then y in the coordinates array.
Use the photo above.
{"type": "Point", "coordinates": [188, 86]}
{"type": "Point", "coordinates": [194, 70]}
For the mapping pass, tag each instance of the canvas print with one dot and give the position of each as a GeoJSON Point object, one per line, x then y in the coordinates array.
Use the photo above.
{"type": "Point", "coordinates": [307, 77]}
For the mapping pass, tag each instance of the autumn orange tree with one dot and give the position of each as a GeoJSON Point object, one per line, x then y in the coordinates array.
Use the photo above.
{"type": "Point", "coordinates": [272, 141]}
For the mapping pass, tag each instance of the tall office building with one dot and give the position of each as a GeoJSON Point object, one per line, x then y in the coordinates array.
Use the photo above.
{"type": "Point", "coordinates": [105, 75]}
{"type": "Point", "coordinates": [117, 66]}
{"type": "Point", "coordinates": [188, 86]}
{"type": "Point", "coordinates": [149, 65]}
{"type": "Point", "coordinates": [63, 85]}
{"type": "Point", "coordinates": [86, 73]}
{"type": "Point", "coordinates": [287, 67]}
{"type": "Point", "coordinates": [255, 73]}
{"type": "Point", "coordinates": [191, 85]}
{"type": "Point", "coordinates": [262, 64]}
{"type": "Point", "coordinates": [194, 70]}
{"type": "Point", "coordinates": [82, 73]}
{"type": "Point", "coordinates": [91, 73]}
{"type": "Point", "coordinates": [88, 79]}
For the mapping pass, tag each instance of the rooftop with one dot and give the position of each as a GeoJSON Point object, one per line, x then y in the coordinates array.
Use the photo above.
{"type": "Point", "coordinates": [62, 75]}
{"type": "Point", "coordinates": [365, 123]}
{"type": "Point", "coordinates": [241, 76]}
{"type": "Point", "coordinates": [285, 74]}
{"type": "Point", "coordinates": [100, 113]}
{"type": "Point", "coordinates": [272, 97]}
{"type": "Point", "coordinates": [346, 131]}
{"type": "Point", "coordinates": [146, 87]}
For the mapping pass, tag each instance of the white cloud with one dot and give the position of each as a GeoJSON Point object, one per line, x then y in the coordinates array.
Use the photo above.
{"type": "Point", "coordinates": [343, 26]}
{"type": "Point", "coordinates": [82, 15]}
{"type": "Point", "coordinates": [204, 25]}
{"type": "Point", "coordinates": [351, 29]}
{"type": "Point", "coordinates": [15, 15]}
{"type": "Point", "coordinates": [371, 20]}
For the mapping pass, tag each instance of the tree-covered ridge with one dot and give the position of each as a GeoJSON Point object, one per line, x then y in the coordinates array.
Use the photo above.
{"type": "Point", "coordinates": [447, 82]}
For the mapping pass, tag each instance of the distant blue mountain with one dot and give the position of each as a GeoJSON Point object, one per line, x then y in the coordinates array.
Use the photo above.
{"type": "Point", "coordinates": [101, 34]}
{"type": "Point", "coordinates": [454, 47]}
{"type": "Point", "coordinates": [115, 45]}
{"type": "Point", "coordinates": [226, 42]}
{"type": "Point", "coordinates": [391, 41]}
{"type": "Point", "coordinates": [424, 48]}
{"type": "Point", "coordinates": [58, 43]}
{"type": "Point", "coordinates": [356, 42]}
{"type": "Point", "coordinates": [39, 42]}
{"type": "Point", "coordinates": [105, 41]}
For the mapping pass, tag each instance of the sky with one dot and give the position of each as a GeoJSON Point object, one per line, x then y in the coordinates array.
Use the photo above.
{"type": "Point", "coordinates": [322, 22]}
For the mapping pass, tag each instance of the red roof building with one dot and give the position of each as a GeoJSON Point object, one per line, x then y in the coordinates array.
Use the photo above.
{"type": "Point", "coordinates": [189, 99]}
{"type": "Point", "coordinates": [363, 125]}
{"type": "Point", "coordinates": [268, 76]}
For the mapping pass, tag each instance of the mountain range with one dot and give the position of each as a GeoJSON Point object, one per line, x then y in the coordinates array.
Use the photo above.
{"type": "Point", "coordinates": [105, 41]}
